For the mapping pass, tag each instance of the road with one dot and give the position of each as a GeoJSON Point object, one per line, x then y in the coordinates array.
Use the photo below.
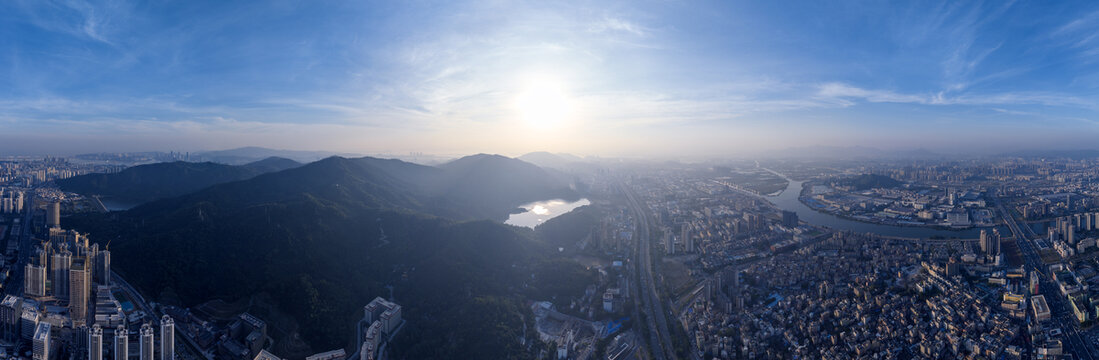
{"type": "Point", "coordinates": [15, 282]}
{"type": "Point", "coordinates": [1061, 315]}
{"type": "Point", "coordinates": [654, 307]}
{"type": "Point", "coordinates": [140, 303]}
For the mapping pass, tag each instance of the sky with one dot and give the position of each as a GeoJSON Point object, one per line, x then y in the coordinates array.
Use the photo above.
{"type": "Point", "coordinates": [592, 77]}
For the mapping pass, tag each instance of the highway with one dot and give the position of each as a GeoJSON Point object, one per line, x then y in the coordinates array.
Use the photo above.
{"type": "Point", "coordinates": [1061, 315]}
{"type": "Point", "coordinates": [654, 307]}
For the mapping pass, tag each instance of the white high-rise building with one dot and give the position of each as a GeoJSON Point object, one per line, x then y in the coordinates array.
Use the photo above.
{"type": "Point", "coordinates": [34, 281]}
{"type": "Point", "coordinates": [29, 321]}
{"type": "Point", "coordinates": [95, 343]}
{"type": "Point", "coordinates": [167, 338]}
{"type": "Point", "coordinates": [42, 342]}
{"type": "Point", "coordinates": [121, 344]}
{"type": "Point", "coordinates": [146, 342]}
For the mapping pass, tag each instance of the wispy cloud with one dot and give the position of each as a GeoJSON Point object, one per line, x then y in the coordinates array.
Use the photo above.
{"type": "Point", "coordinates": [456, 68]}
{"type": "Point", "coordinates": [618, 24]}
{"type": "Point", "coordinates": [845, 92]}
{"type": "Point", "coordinates": [79, 18]}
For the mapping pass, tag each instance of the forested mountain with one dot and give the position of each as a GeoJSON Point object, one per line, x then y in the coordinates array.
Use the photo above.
{"type": "Point", "coordinates": [329, 236]}
{"type": "Point", "coordinates": [162, 180]}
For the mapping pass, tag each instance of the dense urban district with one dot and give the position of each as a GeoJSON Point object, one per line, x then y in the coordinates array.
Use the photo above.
{"type": "Point", "coordinates": [982, 258]}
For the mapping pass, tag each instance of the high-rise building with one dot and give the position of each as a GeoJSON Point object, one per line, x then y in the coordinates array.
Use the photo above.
{"type": "Point", "coordinates": [11, 310]}
{"type": "Point", "coordinates": [92, 253]}
{"type": "Point", "coordinates": [990, 242]}
{"type": "Point", "coordinates": [669, 243]}
{"type": "Point", "coordinates": [734, 290]}
{"type": "Point", "coordinates": [95, 343]}
{"type": "Point", "coordinates": [146, 342]}
{"type": "Point", "coordinates": [1070, 235]}
{"type": "Point", "coordinates": [103, 268]}
{"type": "Point", "coordinates": [121, 344]}
{"type": "Point", "coordinates": [79, 288]}
{"type": "Point", "coordinates": [34, 281]}
{"type": "Point", "coordinates": [386, 312]}
{"type": "Point", "coordinates": [983, 241]}
{"type": "Point", "coordinates": [59, 266]}
{"type": "Point", "coordinates": [29, 321]}
{"type": "Point", "coordinates": [167, 338]}
{"type": "Point", "coordinates": [685, 234]}
{"type": "Point", "coordinates": [789, 219]}
{"type": "Point", "coordinates": [1033, 283]}
{"type": "Point", "coordinates": [41, 258]}
{"type": "Point", "coordinates": [996, 242]}
{"type": "Point", "coordinates": [41, 347]}
{"type": "Point", "coordinates": [53, 215]}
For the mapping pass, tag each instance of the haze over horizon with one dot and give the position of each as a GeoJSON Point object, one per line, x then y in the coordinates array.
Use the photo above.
{"type": "Point", "coordinates": [607, 78]}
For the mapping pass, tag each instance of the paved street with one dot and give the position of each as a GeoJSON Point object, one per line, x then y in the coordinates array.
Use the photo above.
{"type": "Point", "coordinates": [1061, 315]}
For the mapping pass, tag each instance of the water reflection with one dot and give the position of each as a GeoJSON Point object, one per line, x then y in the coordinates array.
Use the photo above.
{"type": "Point", "coordinates": [538, 212]}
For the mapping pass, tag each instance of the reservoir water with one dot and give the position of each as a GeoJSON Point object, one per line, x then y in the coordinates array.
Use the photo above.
{"type": "Point", "coordinates": [538, 212]}
{"type": "Point", "coordinates": [788, 200]}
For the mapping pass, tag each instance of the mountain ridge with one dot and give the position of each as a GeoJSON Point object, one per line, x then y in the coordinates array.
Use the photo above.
{"type": "Point", "coordinates": [314, 235]}
{"type": "Point", "coordinates": [144, 183]}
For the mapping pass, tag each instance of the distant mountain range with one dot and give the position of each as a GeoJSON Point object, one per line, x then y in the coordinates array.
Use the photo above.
{"type": "Point", "coordinates": [551, 160]}
{"type": "Point", "coordinates": [1070, 154]}
{"type": "Point", "coordinates": [330, 235]}
{"type": "Point", "coordinates": [145, 183]}
{"type": "Point", "coordinates": [850, 152]}
{"type": "Point", "coordinates": [249, 154]}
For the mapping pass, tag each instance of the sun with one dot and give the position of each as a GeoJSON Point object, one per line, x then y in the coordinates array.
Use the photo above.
{"type": "Point", "coordinates": [543, 103]}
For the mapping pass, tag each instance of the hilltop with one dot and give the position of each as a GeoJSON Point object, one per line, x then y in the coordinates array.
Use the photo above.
{"type": "Point", "coordinates": [145, 183]}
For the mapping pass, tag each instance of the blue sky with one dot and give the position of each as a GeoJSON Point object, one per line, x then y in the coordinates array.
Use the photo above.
{"type": "Point", "coordinates": [631, 77]}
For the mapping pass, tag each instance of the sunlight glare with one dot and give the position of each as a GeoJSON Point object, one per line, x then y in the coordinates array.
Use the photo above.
{"type": "Point", "coordinates": [543, 103]}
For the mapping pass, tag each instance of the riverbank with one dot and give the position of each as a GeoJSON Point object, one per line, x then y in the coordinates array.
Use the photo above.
{"type": "Point", "coordinates": [790, 201]}
{"type": "Point", "coordinates": [803, 199]}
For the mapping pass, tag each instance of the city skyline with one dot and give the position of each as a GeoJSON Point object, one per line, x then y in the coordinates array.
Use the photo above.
{"type": "Point", "coordinates": [606, 78]}
{"type": "Point", "coordinates": [531, 180]}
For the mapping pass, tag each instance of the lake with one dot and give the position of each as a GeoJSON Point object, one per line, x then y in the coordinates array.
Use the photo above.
{"type": "Point", "coordinates": [538, 212]}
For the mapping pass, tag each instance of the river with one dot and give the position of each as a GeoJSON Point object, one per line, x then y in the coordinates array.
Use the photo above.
{"type": "Point", "coordinates": [788, 200]}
